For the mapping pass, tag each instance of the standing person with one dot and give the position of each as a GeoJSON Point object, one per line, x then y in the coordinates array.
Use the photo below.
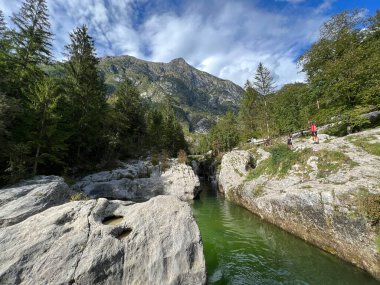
{"type": "Point", "coordinates": [313, 130]}
{"type": "Point", "coordinates": [290, 141]}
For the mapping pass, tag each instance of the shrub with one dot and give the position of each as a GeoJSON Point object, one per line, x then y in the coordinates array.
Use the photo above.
{"type": "Point", "coordinates": [78, 196]}
{"type": "Point", "coordinates": [369, 205]}
{"type": "Point", "coordinates": [182, 156]}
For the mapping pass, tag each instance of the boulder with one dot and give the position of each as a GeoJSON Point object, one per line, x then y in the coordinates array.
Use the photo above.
{"type": "Point", "coordinates": [335, 210]}
{"type": "Point", "coordinates": [141, 181]}
{"type": "Point", "coordinates": [105, 242]}
{"type": "Point", "coordinates": [31, 197]}
{"type": "Point", "coordinates": [180, 181]}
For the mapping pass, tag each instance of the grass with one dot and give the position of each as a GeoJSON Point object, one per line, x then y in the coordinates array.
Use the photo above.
{"type": "Point", "coordinates": [377, 241]}
{"type": "Point", "coordinates": [369, 205]}
{"type": "Point", "coordinates": [367, 144]}
{"type": "Point", "coordinates": [330, 161]}
{"type": "Point", "coordinates": [258, 191]}
{"type": "Point", "coordinates": [283, 159]}
{"type": "Point", "coordinates": [78, 197]}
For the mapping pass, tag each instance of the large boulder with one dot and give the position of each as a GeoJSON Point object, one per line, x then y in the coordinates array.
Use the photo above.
{"type": "Point", "coordinates": [332, 204]}
{"type": "Point", "coordinates": [139, 180]}
{"type": "Point", "coordinates": [105, 242]}
{"type": "Point", "coordinates": [180, 181]}
{"type": "Point", "coordinates": [31, 197]}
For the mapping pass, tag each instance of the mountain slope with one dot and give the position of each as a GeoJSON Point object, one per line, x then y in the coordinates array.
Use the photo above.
{"type": "Point", "coordinates": [198, 97]}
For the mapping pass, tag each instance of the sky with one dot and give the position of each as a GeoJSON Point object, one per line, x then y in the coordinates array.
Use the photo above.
{"type": "Point", "coordinates": [227, 38]}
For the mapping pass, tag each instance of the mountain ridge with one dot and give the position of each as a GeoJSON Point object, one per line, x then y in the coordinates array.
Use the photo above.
{"type": "Point", "coordinates": [198, 97]}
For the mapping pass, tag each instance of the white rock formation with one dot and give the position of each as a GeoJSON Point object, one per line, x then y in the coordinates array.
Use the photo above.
{"type": "Point", "coordinates": [141, 180]}
{"type": "Point", "coordinates": [31, 197]}
{"type": "Point", "coordinates": [326, 210]}
{"type": "Point", "coordinates": [105, 242]}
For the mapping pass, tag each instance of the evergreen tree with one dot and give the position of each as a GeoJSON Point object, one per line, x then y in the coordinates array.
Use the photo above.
{"type": "Point", "coordinates": [33, 36]}
{"type": "Point", "coordinates": [3, 26]}
{"type": "Point", "coordinates": [86, 92]}
{"type": "Point", "coordinates": [250, 114]}
{"type": "Point", "coordinates": [126, 121]}
{"type": "Point", "coordinates": [49, 144]}
{"type": "Point", "coordinates": [265, 85]}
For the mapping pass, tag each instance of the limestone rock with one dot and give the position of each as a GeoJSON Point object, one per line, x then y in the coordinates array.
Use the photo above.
{"type": "Point", "coordinates": [234, 168]}
{"type": "Point", "coordinates": [325, 210]}
{"type": "Point", "coordinates": [139, 180]}
{"type": "Point", "coordinates": [180, 180]}
{"type": "Point", "coordinates": [31, 197]}
{"type": "Point", "coordinates": [105, 242]}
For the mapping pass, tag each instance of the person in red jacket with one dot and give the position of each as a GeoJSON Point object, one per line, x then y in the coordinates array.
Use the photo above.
{"type": "Point", "coordinates": [313, 130]}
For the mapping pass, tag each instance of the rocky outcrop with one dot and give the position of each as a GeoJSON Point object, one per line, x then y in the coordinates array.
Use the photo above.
{"type": "Point", "coordinates": [31, 197]}
{"type": "Point", "coordinates": [334, 205]}
{"type": "Point", "coordinates": [140, 180]}
{"type": "Point", "coordinates": [105, 242]}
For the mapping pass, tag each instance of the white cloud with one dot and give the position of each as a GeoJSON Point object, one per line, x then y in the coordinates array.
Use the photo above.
{"type": "Point", "coordinates": [225, 38]}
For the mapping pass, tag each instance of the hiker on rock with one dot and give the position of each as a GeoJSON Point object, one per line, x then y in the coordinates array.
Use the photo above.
{"type": "Point", "coordinates": [313, 130]}
{"type": "Point", "coordinates": [290, 141]}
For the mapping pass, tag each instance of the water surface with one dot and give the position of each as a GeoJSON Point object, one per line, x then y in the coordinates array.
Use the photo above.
{"type": "Point", "coordinates": [240, 248]}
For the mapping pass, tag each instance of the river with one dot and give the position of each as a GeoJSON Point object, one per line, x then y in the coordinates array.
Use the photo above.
{"type": "Point", "coordinates": [241, 248]}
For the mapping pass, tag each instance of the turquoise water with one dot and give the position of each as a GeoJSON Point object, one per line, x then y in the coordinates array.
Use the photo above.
{"type": "Point", "coordinates": [240, 248]}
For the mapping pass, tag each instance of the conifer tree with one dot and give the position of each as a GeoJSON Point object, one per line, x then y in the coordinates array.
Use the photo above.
{"type": "Point", "coordinates": [86, 92]}
{"type": "Point", "coordinates": [265, 85]}
{"type": "Point", "coordinates": [33, 36]}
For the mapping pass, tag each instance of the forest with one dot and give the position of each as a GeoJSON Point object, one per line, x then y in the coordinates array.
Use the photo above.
{"type": "Point", "coordinates": [55, 117]}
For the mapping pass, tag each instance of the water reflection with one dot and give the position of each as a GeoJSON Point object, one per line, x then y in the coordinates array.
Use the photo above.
{"type": "Point", "coordinates": [240, 248]}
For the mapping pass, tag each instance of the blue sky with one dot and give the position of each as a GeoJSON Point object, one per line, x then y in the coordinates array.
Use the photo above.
{"type": "Point", "coordinates": [225, 38]}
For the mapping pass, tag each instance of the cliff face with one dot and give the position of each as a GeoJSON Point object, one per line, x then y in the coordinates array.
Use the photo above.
{"type": "Point", "coordinates": [330, 195]}
{"type": "Point", "coordinates": [196, 95]}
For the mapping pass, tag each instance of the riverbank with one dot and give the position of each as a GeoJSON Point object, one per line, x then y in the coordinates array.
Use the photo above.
{"type": "Point", "coordinates": [241, 248]}
{"type": "Point", "coordinates": [327, 194]}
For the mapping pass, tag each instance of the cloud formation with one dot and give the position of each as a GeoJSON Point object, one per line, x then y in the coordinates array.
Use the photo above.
{"type": "Point", "coordinates": [225, 38]}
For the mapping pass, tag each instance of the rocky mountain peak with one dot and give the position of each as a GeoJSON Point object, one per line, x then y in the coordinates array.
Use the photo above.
{"type": "Point", "coordinates": [198, 97]}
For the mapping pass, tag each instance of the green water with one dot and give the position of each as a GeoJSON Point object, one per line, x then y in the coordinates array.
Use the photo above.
{"type": "Point", "coordinates": [240, 248]}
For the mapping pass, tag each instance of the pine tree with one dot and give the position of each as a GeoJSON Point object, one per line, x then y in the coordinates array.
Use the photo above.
{"type": "Point", "coordinates": [265, 85]}
{"type": "Point", "coordinates": [3, 26]}
{"type": "Point", "coordinates": [33, 36]}
{"type": "Point", "coordinates": [86, 92]}
{"type": "Point", "coordinates": [263, 81]}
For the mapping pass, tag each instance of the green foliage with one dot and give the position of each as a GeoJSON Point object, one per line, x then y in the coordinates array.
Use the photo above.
{"type": "Point", "coordinates": [369, 205]}
{"type": "Point", "coordinates": [224, 135]}
{"type": "Point", "coordinates": [282, 159]}
{"type": "Point", "coordinates": [367, 144]}
{"type": "Point", "coordinates": [342, 66]}
{"type": "Point", "coordinates": [78, 197]}
{"type": "Point", "coordinates": [331, 161]}
{"type": "Point", "coordinates": [86, 92]}
{"type": "Point", "coordinates": [291, 108]}
{"type": "Point", "coordinates": [258, 191]}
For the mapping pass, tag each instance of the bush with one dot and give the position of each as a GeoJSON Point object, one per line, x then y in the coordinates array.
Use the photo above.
{"type": "Point", "coordinates": [78, 197]}
{"type": "Point", "coordinates": [182, 156]}
{"type": "Point", "coordinates": [369, 204]}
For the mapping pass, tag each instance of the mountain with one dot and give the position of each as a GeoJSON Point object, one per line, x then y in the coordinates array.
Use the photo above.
{"type": "Point", "coordinates": [197, 97]}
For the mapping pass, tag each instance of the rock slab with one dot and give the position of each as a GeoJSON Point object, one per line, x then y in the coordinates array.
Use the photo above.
{"type": "Point", "coordinates": [140, 180]}
{"type": "Point", "coordinates": [105, 242]}
{"type": "Point", "coordinates": [31, 197]}
{"type": "Point", "coordinates": [321, 209]}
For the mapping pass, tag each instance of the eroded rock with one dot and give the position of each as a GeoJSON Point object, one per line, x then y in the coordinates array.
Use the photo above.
{"type": "Point", "coordinates": [156, 242]}
{"type": "Point", "coordinates": [332, 210]}
{"type": "Point", "coordinates": [31, 197]}
{"type": "Point", "coordinates": [141, 181]}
